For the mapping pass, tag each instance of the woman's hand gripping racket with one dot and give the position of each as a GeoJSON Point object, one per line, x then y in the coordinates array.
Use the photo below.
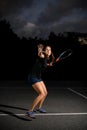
{"type": "Point", "coordinates": [64, 55]}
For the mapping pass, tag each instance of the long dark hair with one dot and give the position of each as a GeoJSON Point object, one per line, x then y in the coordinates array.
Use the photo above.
{"type": "Point", "coordinates": [51, 58]}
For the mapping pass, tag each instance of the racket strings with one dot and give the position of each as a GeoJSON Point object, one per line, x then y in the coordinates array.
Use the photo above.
{"type": "Point", "coordinates": [64, 55]}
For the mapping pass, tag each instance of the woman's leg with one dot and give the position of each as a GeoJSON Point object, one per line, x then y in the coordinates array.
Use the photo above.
{"type": "Point", "coordinates": [45, 94]}
{"type": "Point", "coordinates": [38, 87]}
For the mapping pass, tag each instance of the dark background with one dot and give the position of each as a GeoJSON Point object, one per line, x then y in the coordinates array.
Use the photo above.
{"type": "Point", "coordinates": [17, 55]}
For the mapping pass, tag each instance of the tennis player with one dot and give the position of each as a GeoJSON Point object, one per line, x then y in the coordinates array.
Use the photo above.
{"type": "Point", "coordinates": [45, 58]}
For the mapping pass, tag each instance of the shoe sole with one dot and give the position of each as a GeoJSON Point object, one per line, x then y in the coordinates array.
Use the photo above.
{"type": "Point", "coordinates": [31, 116]}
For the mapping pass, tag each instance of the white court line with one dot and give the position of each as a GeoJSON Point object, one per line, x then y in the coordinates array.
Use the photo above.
{"type": "Point", "coordinates": [77, 93]}
{"type": "Point", "coordinates": [50, 114]}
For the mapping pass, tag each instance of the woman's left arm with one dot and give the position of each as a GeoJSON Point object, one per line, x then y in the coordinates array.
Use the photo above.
{"type": "Point", "coordinates": [40, 50]}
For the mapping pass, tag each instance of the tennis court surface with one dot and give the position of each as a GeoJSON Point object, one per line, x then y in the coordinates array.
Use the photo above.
{"type": "Point", "coordinates": [66, 106]}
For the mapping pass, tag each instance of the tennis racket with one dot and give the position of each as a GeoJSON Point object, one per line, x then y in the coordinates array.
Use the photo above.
{"type": "Point", "coordinates": [65, 54]}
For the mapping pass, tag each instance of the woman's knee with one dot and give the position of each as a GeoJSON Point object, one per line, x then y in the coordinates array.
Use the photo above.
{"type": "Point", "coordinates": [40, 89]}
{"type": "Point", "coordinates": [45, 93]}
{"type": "Point", "coordinates": [42, 95]}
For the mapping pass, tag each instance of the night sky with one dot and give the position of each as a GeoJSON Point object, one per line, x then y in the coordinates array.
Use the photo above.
{"type": "Point", "coordinates": [30, 18]}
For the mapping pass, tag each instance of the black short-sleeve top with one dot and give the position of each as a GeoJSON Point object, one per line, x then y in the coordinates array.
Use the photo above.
{"type": "Point", "coordinates": [39, 67]}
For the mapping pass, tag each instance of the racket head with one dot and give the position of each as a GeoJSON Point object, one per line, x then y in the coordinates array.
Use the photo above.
{"type": "Point", "coordinates": [64, 55]}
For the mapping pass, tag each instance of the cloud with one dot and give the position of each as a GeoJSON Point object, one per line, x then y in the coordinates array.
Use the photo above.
{"type": "Point", "coordinates": [62, 8]}
{"type": "Point", "coordinates": [64, 15]}
{"type": "Point", "coordinates": [76, 21]}
{"type": "Point", "coordinates": [8, 7]}
{"type": "Point", "coordinates": [39, 18]}
{"type": "Point", "coordinates": [28, 30]}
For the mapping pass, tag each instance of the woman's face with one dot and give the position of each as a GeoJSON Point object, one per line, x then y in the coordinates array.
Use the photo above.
{"type": "Point", "coordinates": [48, 51]}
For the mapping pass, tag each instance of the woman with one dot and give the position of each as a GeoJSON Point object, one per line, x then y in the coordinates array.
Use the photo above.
{"type": "Point", "coordinates": [45, 58]}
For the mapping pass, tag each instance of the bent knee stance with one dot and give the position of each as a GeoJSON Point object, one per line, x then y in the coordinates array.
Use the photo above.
{"type": "Point", "coordinates": [46, 93]}
{"type": "Point", "coordinates": [42, 95]}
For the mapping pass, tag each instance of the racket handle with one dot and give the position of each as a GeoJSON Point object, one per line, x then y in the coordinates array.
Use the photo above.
{"type": "Point", "coordinates": [57, 59]}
